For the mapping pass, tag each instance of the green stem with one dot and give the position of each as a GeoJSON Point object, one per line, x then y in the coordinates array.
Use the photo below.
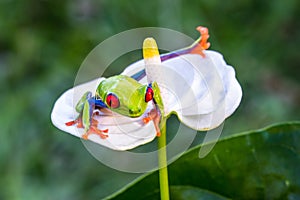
{"type": "Point", "coordinates": [162, 163]}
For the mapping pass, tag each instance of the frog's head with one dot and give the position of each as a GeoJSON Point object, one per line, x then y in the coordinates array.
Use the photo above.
{"type": "Point", "coordinates": [138, 100]}
{"type": "Point", "coordinates": [125, 95]}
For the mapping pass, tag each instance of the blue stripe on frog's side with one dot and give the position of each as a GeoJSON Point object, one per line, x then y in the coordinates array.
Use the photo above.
{"type": "Point", "coordinates": [98, 103]}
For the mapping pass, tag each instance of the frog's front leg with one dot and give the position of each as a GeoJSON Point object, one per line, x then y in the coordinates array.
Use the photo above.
{"type": "Point", "coordinates": [85, 107]}
{"type": "Point", "coordinates": [157, 113]}
{"type": "Point", "coordinates": [155, 116]}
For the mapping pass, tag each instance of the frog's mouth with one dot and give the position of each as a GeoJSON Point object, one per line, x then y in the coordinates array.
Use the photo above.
{"type": "Point", "coordinates": [128, 112]}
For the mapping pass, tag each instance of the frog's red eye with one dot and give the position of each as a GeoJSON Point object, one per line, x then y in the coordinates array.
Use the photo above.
{"type": "Point", "coordinates": [112, 101]}
{"type": "Point", "coordinates": [149, 94]}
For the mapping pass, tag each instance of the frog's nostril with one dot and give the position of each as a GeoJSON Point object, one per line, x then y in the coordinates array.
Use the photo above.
{"type": "Point", "coordinates": [134, 111]}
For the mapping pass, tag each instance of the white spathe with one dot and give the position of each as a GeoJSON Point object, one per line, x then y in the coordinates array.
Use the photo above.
{"type": "Point", "coordinates": [202, 92]}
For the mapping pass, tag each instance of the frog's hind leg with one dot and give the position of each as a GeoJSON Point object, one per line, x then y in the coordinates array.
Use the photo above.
{"type": "Point", "coordinates": [197, 47]}
{"type": "Point", "coordinates": [90, 124]}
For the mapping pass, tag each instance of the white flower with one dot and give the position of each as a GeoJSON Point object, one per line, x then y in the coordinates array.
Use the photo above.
{"type": "Point", "coordinates": [201, 91]}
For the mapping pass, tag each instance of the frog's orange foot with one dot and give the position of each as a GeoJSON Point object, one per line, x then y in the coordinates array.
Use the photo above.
{"type": "Point", "coordinates": [153, 115]}
{"type": "Point", "coordinates": [204, 37]}
{"type": "Point", "coordinates": [94, 130]}
{"type": "Point", "coordinates": [202, 44]}
{"type": "Point", "coordinates": [76, 121]}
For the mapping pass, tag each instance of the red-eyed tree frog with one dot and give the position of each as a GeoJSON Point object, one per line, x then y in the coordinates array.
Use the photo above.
{"type": "Point", "coordinates": [120, 94]}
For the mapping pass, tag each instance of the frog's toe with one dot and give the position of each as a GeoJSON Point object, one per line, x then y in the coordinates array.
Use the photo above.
{"type": "Point", "coordinates": [94, 130]}
{"type": "Point", "coordinates": [147, 119]}
{"type": "Point", "coordinates": [71, 123]}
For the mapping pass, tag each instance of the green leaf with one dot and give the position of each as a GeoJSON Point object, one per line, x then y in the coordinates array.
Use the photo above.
{"type": "Point", "coordinates": [187, 192]}
{"type": "Point", "coordinates": [251, 165]}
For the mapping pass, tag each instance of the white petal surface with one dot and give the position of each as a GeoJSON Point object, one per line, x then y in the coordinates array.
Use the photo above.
{"type": "Point", "coordinates": [202, 91]}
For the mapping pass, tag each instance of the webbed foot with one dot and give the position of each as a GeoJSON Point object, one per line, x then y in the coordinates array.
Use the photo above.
{"type": "Point", "coordinates": [94, 130]}
{"type": "Point", "coordinates": [201, 44]}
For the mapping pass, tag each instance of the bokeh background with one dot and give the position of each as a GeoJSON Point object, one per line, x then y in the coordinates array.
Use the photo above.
{"type": "Point", "coordinates": [43, 43]}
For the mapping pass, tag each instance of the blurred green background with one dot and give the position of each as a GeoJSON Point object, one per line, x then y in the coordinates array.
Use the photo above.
{"type": "Point", "coordinates": [43, 43]}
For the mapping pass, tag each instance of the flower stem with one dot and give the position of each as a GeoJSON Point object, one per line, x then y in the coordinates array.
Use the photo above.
{"type": "Point", "coordinates": [162, 163]}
